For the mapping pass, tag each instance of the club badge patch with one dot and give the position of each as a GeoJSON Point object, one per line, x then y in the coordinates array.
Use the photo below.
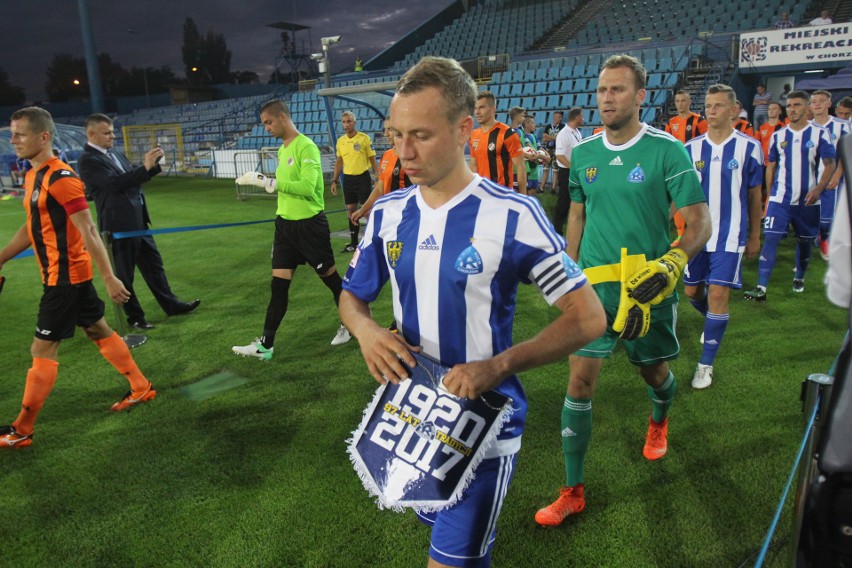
{"type": "Point", "coordinates": [356, 147]}
{"type": "Point", "coordinates": [733, 164]}
{"type": "Point", "coordinates": [394, 252]}
{"type": "Point", "coordinates": [699, 165]}
{"type": "Point", "coordinates": [591, 175]}
{"type": "Point", "coordinates": [418, 446]}
{"type": "Point", "coordinates": [784, 144]}
{"type": "Point", "coordinates": [290, 161]}
{"type": "Point", "coordinates": [637, 175]}
{"type": "Point", "coordinates": [469, 261]}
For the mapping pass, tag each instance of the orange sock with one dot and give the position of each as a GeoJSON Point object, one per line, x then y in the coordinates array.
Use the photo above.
{"type": "Point", "coordinates": [40, 380]}
{"type": "Point", "coordinates": [116, 352]}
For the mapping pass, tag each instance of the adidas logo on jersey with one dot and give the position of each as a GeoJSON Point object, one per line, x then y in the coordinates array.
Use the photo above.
{"type": "Point", "coordinates": [429, 243]}
{"type": "Point", "coordinates": [568, 432]}
{"type": "Point", "coordinates": [616, 161]}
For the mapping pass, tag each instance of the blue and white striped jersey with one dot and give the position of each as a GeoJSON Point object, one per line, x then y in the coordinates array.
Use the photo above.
{"type": "Point", "coordinates": [798, 154]}
{"type": "Point", "coordinates": [836, 127]}
{"type": "Point", "coordinates": [455, 270]}
{"type": "Point", "coordinates": [727, 171]}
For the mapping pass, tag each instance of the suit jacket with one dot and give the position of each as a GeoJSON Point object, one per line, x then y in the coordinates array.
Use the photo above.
{"type": "Point", "coordinates": [119, 199]}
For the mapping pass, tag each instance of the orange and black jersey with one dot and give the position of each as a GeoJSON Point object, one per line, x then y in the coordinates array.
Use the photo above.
{"type": "Point", "coordinates": [745, 127]}
{"type": "Point", "coordinates": [391, 173]}
{"type": "Point", "coordinates": [493, 152]}
{"type": "Point", "coordinates": [764, 134]}
{"type": "Point", "coordinates": [685, 129]}
{"type": "Point", "coordinates": [53, 194]}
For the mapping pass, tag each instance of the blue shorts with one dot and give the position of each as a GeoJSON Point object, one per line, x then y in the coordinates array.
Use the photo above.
{"type": "Point", "coordinates": [827, 205]}
{"type": "Point", "coordinates": [720, 268]}
{"type": "Point", "coordinates": [805, 219]}
{"type": "Point", "coordinates": [464, 534]}
{"type": "Point", "coordinates": [532, 184]}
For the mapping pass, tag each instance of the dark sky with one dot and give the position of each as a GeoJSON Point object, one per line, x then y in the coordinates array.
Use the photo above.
{"type": "Point", "coordinates": [34, 31]}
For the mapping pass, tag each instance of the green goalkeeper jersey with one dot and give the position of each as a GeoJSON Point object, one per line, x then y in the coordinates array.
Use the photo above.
{"type": "Point", "coordinates": [627, 191]}
{"type": "Point", "coordinates": [298, 179]}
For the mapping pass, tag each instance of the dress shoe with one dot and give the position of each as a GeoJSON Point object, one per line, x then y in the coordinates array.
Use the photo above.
{"type": "Point", "coordinates": [140, 324]}
{"type": "Point", "coordinates": [185, 307]}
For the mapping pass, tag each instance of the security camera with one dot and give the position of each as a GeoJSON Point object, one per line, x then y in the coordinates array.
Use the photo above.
{"type": "Point", "coordinates": [330, 40]}
{"type": "Point", "coordinates": [316, 56]}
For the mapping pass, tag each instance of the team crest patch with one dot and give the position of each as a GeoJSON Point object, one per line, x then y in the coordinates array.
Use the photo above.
{"type": "Point", "coordinates": [637, 175]}
{"type": "Point", "coordinates": [418, 446]}
{"type": "Point", "coordinates": [492, 146]}
{"type": "Point", "coordinates": [699, 165]}
{"type": "Point", "coordinates": [396, 171]}
{"type": "Point", "coordinates": [733, 164]}
{"type": "Point", "coordinates": [571, 267]}
{"type": "Point", "coordinates": [809, 144]}
{"type": "Point", "coordinates": [469, 261]}
{"type": "Point", "coordinates": [356, 147]}
{"type": "Point", "coordinates": [784, 144]}
{"type": "Point", "coordinates": [689, 128]}
{"type": "Point", "coordinates": [394, 250]}
{"type": "Point", "coordinates": [675, 127]}
{"type": "Point", "coordinates": [34, 197]}
{"type": "Point", "coordinates": [290, 161]}
{"type": "Point", "coordinates": [591, 175]}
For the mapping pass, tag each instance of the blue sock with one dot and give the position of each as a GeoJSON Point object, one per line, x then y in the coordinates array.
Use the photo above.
{"type": "Point", "coordinates": [824, 229]}
{"type": "Point", "coordinates": [767, 258]}
{"type": "Point", "coordinates": [714, 329]}
{"type": "Point", "coordinates": [700, 305]}
{"type": "Point", "coordinates": [803, 257]}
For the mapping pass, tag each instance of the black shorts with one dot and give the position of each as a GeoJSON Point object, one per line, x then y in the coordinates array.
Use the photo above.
{"type": "Point", "coordinates": [62, 308]}
{"type": "Point", "coordinates": [357, 189]}
{"type": "Point", "coordinates": [307, 241]}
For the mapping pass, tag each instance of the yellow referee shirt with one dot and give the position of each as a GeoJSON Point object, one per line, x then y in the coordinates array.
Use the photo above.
{"type": "Point", "coordinates": [356, 152]}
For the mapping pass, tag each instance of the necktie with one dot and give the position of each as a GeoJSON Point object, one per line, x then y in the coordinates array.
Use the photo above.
{"type": "Point", "coordinates": [115, 159]}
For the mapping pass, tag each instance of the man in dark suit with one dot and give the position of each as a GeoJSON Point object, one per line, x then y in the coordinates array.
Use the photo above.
{"type": "Point", "coordinates": [116, 186]}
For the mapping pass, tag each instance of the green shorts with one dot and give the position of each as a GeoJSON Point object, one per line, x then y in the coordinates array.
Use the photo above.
{"type": "Point", "coordinates": [658, 345]}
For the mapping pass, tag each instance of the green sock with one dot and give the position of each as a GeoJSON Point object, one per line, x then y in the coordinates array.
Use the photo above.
{"type": "Point", "coordinates": [576, 433]}
{"type": "Point", "coordinates": [661, 397]}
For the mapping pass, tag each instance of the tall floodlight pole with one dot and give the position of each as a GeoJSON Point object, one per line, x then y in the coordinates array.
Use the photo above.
{"type": "Point", "coordinates": [92, 69]}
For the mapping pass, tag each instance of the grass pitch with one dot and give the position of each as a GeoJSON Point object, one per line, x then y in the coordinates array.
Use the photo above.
{"type": "Point", "coordinates": [250, 468]}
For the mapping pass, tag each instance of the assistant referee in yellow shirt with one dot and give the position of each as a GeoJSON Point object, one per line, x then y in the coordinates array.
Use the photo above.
{"type": "Point", "coordinates": [355, 158]}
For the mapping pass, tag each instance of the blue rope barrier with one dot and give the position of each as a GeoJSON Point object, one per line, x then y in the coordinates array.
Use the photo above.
{"type": "Point", "coordinates": [147, 232]}
{"type": "Point", "coordinates": [762, 556]}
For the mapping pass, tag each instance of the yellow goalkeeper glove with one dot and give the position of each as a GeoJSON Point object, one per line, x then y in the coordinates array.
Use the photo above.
{"type": "Point", "coordinates": [633, 318]}
{"type": "Point", "coordinates": [655, 281]}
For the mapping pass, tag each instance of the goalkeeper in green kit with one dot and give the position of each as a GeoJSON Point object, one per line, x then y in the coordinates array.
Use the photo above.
{"type": "Point", "coordinates": [623, 182]}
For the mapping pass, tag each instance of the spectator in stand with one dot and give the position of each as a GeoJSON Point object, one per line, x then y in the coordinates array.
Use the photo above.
{"type": "Point", "coordinates": [823, 20]}
{"type": "Point", "coordinates": [548, 139]}
{"type": "Point", "coordinates": [784, 23]}
{"type": "Point", "coordinates": [760, 106]}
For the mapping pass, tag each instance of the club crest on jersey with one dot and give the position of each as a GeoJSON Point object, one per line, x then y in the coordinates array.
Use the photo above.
{"type": "Point", "coordinates": [290, 161]}
{"type": "Point", "coordinates": [637, 175]}
{"type": "Point", "coordinates": [571, 268]}
{"type": "Point", "coordinates": [689, 128]}
{"type": "Point", "coordinates": [34, 197]}
{"type": "Point", "coordinates": [809, 144]}
{"type": "Point", "coordinates": [591, 175]}
{"type": "Point", "coordinates": [394, 250]}
{"type": "Point", "coordinates": [469, 261]}
{"type": "Point", "coordinates": [733, 164]}
{"type": "Point", "coordinates": [675, 127]}
{"type": "Point", "coordinates": [699, 165]}
{"type": "Point", "coordinates": [396, 171]}
{"type": "Point", "coordinates": [356, 147]}
{"type": "Point", "coordinates": [784, 144]}
{"type": "Point", "coordinates": [492, 146]}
